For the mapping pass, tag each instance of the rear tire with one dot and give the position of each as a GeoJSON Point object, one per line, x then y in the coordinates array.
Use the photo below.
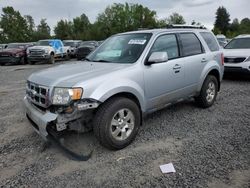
{"type": "Point", "coordinates": [117, 122]}
{"type": "Point", "coordinates": [208, 92]}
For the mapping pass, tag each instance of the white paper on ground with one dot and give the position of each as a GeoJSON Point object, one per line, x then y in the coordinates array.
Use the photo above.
{"type": "Point", "coordinates": [167, 168]}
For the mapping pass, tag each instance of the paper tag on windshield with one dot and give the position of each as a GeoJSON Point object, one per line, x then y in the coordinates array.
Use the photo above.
{"type": "Point", "coordinates": [137, 41]}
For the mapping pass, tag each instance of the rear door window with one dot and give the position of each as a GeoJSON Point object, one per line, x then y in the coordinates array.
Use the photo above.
{"type": "Point", "coordinates": [211, 41]}
{"type": "Point", "coordinates": [191, 45]}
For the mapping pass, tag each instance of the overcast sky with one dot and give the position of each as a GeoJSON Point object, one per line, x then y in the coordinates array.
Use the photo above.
{"type": "Point", "coordinates": [202, 11]}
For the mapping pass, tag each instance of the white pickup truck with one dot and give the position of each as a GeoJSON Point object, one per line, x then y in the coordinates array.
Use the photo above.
{"type": "Point", "coordinates": [47, 50]}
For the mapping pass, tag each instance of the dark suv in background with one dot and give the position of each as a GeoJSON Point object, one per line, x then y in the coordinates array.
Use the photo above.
{"type": "Point", "coordinates": [15, 53]}
{"type": "Point", "coordinates": [85, 48]}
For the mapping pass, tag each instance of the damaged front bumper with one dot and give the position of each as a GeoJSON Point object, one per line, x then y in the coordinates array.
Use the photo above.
{"type": "Point", "coordinates": [44, 119]}
{"type": "Point", "coordinates": [39, 119]}
{"type": "Point", "coordinates": [42, 122]}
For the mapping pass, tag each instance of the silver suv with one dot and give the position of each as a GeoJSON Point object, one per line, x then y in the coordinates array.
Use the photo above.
{"type": "Point", "coordinates": [128, 76]}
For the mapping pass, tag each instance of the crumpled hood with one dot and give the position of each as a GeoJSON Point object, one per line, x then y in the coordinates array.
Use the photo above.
{"type": "Point", "coordinates": [70, 74]}
{"type": "Point", "coordinates": [236, 52]}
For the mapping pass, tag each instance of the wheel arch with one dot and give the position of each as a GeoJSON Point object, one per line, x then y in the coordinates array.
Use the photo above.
{"type": "Point", "coordinates": [130, 96]}
{"type": "Point", "coordinates": [126, 95]}
{"type": "Point", "coordinates": [212, 70]}
{"type": "Point", "coordinates": [215, 73]}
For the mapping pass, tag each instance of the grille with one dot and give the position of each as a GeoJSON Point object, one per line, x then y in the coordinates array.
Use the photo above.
{"type": "Point", "coordinates": [37, 52]}
{"type": "Point", "coordinates": [4, 55]}
{"type": "Point", "coordinates": [37, 94]}
{"type": "Point", "coordinates": [234, 59]}
{"type": "Point", "coordinates": [84, 50]}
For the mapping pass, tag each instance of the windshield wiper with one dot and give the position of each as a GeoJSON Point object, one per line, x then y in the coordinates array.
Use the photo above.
{"type": "Point", "coordinates": [86, 59]}
{"type": "Point", "coordinates": [102, 60]}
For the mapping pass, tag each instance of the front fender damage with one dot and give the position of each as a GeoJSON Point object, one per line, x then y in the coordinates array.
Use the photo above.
{"type": "Point", "coordinates": [79, 119]}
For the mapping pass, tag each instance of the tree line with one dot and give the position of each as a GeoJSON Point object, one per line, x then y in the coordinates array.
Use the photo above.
{"type": "Point", "coordinates": [114, 19]}
{"type": "Point", "coordinates": [223, 25]}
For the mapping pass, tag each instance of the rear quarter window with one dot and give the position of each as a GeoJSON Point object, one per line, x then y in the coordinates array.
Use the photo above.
{"type": "Point", "coordinates": [191, 45]}
{"type": "Point", "coordinates": [211, 41]}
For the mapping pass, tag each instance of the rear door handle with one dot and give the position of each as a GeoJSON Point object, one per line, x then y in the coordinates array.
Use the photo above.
{"type": "Point", "coordinates": [203, 60]}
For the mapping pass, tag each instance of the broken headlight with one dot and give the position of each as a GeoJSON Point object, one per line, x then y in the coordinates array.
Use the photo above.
{"type": "Point", "coordinates": [63, 96]}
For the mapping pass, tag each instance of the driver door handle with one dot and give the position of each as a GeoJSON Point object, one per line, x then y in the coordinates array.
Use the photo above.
{"type": "Point", "coordinates": [177, 68]}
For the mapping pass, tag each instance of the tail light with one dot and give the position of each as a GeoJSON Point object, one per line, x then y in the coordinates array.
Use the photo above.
{"type": "Point", "coordinates": [222, 59]}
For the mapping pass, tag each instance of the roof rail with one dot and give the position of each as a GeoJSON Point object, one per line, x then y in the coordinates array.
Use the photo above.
{"type": "Point", "coordinates": [182, 26]}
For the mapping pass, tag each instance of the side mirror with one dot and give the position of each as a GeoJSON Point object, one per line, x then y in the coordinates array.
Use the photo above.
{"type": "Point", "coordinates": [157, 57]}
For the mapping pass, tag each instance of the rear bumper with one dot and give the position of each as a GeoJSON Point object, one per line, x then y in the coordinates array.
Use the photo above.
{"type": "Point", "coordinates": [10, 59]}
{"type": "Point", "coordinates": [39, 120]}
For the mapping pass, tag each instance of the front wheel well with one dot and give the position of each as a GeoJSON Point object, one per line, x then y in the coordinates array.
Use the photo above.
{"type": "Point", "coordinates": [129, 96]}
{"type": "Point", "coordinates": [52, 53]}
{"type": "Point", "coordinates": [215, 73]}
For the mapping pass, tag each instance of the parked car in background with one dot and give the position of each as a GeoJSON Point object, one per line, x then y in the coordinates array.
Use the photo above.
{"type": "Point", "coordinates": [100, 42]}
{"type": "Point", "coordinates": [47, 51]}
{"type": "Point", "coordinates": [128, 76]}
{"type": "Point", "coordinates": [85, 48]}
{"type": "Point", "coordinates": [222, 40]}
{"type": "Point", "coordinates": [73, 45]}
{"type": "Point", "coordinates": [3, 46]}
{"type": "Point", "coordinates": [228, 40]}
{"type": "Point", "coordinates": [237, 54]}
{"type": "Point", "coordinates": [15, 53]}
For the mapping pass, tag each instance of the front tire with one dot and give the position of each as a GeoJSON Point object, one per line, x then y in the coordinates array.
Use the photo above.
{"type": "Point", "coordinates": [22, 61]}
{"type": "Point", "coordinates": [117, 122]}
{"type": "Point", "coordinates": [52, 59]}
{"type": "Point", "coordinates": [208, 92]}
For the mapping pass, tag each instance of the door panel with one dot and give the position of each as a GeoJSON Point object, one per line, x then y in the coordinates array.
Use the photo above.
{"type": "Point", "coordinates": [194, 58]}
{"type": "Point", "coordinates": [164, 81]}
{"type": "Point", "coordinates": [193, 67]}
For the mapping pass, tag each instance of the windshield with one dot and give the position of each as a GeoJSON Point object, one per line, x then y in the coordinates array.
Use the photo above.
{"type": "Point", "coordinates": [240, 43]}
{"type": "Point", "coordinates": [126, 48]}
{"type": "Point", "coordinates": [21, 46]}
{"type": "Point", "coordinates": [43, 43]}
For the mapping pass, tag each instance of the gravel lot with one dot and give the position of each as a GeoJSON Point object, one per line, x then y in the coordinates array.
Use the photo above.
{"type": "Point", "coordinates": [208, 147]}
